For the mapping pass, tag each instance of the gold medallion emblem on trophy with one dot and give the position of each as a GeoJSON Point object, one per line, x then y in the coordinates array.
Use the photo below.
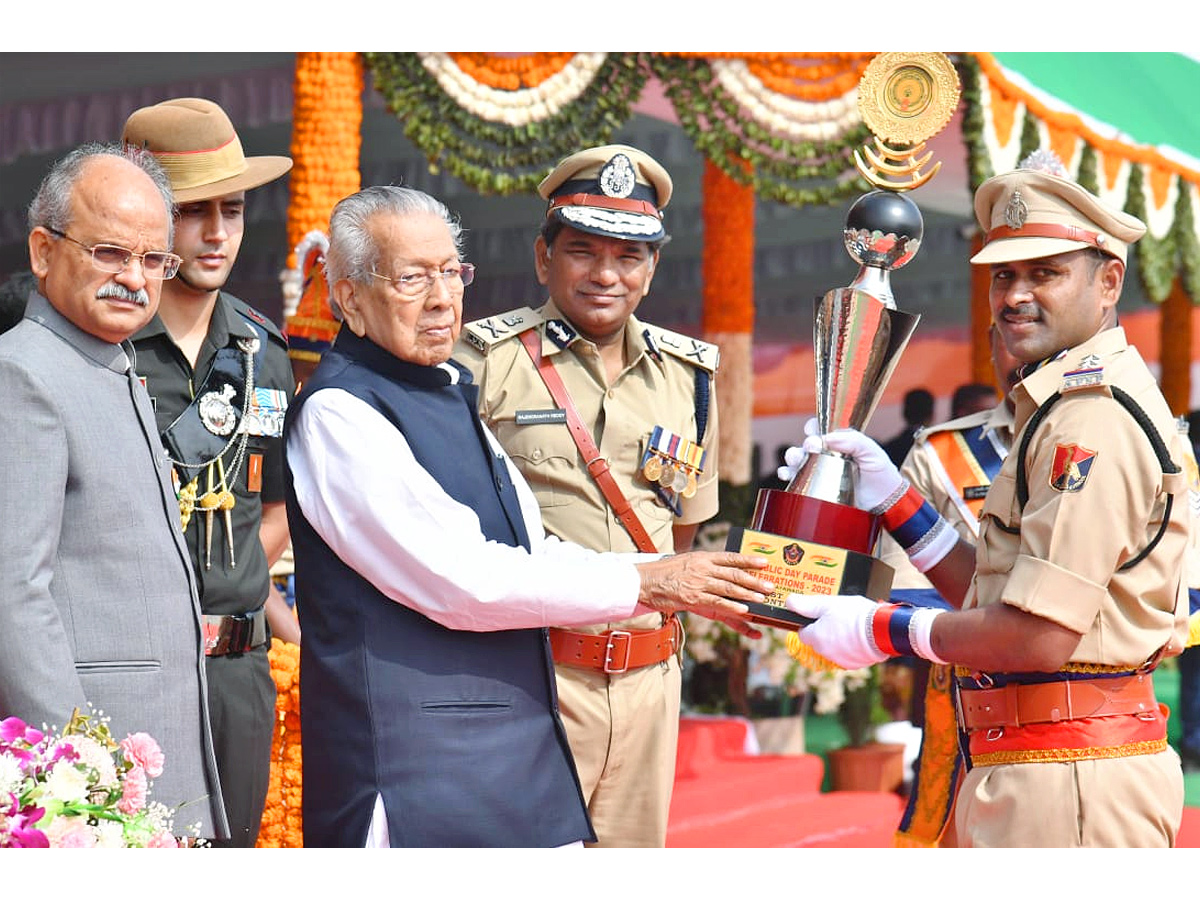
{"type": "Point", "coordinates": [817, 541]}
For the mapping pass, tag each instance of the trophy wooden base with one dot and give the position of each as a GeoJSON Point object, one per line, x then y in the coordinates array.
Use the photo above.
{"type": "Point", "coordinates": [819, 521]}
{"type": "Point", "coordinates": [814, 547]}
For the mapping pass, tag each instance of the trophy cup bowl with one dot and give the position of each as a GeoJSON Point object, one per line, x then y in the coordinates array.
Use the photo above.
{"type": "Point", "coordinates": [818, 540]}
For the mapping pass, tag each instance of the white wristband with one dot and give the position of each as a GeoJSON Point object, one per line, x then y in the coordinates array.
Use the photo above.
{"type": "Point", "coordinates": [920, 631]}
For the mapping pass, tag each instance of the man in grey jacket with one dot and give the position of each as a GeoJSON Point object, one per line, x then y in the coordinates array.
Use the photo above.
{"type": "Point", "coordinates": [98, 602]}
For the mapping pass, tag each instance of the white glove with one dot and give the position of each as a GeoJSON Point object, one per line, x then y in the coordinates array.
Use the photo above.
{"type": "Point", "coordinates": [876, 477]}
{"type": "Point", "coordinates": [842, 628]}
{"type": "Point", "coordinates": [794, 457]}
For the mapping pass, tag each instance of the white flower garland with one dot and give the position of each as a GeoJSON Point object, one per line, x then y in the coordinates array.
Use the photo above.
{"type": "Point", "coordinates": [520, 107]}
{"type": "Point", "coordinates": [784, 116]}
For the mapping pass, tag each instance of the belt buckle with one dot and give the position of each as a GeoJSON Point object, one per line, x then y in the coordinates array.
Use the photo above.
{"type": "Point", "coordinates": [609, 668]}
{"type": "Point", "coordinates": [240, 632]}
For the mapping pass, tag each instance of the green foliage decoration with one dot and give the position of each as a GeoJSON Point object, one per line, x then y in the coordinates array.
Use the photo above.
{"type": "Point", "coordinates": [798, 173]}
{"type": "Point", "coordinates": [492, 157]}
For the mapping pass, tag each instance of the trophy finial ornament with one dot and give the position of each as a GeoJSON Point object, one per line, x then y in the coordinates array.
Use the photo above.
{"type": "Point", "coordinates": [905, 99]}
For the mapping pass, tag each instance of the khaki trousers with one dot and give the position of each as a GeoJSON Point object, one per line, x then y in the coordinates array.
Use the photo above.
{"type": "Point", "coordinates": [1134, 801]}
{"type": "Point", "coordinates": [623, 730]}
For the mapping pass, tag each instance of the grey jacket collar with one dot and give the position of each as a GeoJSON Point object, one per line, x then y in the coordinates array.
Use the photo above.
{"type": "Point", "coordinates": [117, 357]}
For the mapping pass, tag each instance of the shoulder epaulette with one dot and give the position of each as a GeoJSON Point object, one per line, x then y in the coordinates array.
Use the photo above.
{"type": "Point", "coordinates": [1087, 373]}
{"type": "Point", "coordinates": [962, 423]}
{"type": "Point", "coordinates": [249, 312]}
{"type": "Point", "coordinates": [698, 353]}
{"type": "Point", "coordinates": [483, 334]}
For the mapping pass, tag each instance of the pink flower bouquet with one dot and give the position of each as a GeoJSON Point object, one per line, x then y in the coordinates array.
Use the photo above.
{"type": "Point", "coordinates": [80, 788]}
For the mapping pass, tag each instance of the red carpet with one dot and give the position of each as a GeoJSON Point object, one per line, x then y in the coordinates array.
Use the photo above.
{"type": "Point", "coordinates": [725, 796]}
{"type": "Point", "coordinates": [1189, 831]}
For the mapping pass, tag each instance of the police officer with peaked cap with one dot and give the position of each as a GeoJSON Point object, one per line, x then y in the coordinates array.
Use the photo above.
{"type": "Point", "coordinates": [1078, 586]}
{"type": "Point", "coordinates": [637, 472]}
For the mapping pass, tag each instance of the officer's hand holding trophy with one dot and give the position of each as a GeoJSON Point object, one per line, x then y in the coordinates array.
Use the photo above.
{"type": "Point", "coordinates": [820, 532]}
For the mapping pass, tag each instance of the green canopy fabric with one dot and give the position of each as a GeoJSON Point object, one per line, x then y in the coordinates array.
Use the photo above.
{"type": "Point", "coordinates": [1146, 99]}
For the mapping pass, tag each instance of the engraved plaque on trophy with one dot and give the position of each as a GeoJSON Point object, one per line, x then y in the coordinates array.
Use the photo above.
{"type": "Point", "coordinates": [817, 540]}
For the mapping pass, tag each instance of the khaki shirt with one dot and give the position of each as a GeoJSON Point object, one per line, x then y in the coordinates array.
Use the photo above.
{"type": "Point", "coordinates": [1063, 562]}
{"type": "Point", "coordinates": [649, 391]}
{"type": "Point", "coordinates": [927, 473]}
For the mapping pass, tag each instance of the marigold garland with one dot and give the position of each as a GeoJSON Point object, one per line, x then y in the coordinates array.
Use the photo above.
{"type": "Point", "coordinates": [511, 73]}
{"type": "Point", "coordinates": [813, 81]}
{"type": "Point", "coordinates": [326, 139]}
{"type": "Point", "coordinates": [282, 824]}
{"type": "Point", "coordinates": [727, 265]}
{"type": "Point", "coordinates": [730, 120]}
{"type": "Point", "coordinates": [498, 158]}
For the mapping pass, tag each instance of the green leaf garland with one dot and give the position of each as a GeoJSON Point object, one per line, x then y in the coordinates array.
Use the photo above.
{"type": "Point", "coordinates": [495, 158]}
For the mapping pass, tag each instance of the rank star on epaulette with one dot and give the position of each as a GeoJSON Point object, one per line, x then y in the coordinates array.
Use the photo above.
{"type": "Point", "coordinates": [1081, 378]}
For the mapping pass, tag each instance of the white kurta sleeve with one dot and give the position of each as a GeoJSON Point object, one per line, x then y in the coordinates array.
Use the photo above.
{"type": "Point", "coordinates": [359, 486]}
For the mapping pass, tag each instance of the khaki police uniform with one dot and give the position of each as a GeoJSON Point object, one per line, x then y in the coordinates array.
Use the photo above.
{"type": "Point", "coordinates": [1089, 509]}
{"type": "Point", "coordinates": [623, 727]}
{"type": "Point", "coordinates": [952, 465]}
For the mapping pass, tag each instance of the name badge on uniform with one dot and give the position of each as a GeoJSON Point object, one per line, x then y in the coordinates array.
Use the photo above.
{"type": "Point", "coordinates": [1081, 378]}
{"type": "Point", "coordinates": [975, 492]}
{"type": "Point", "coordinates": [540, 416]}
{"type": "Point", "coordinates": [264, 418]}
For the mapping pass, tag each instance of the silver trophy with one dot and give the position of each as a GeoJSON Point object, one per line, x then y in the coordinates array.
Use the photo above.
{"type": "Point", "coordinates": [816, 539]}
{"type": "Point", "coordinates": [859, 334]}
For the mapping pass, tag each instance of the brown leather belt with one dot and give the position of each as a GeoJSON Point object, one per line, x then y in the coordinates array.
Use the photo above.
{"type": "Point", "coordinates": [616, 651]}
{"type": "Point", "coordinates": [1055, 701]}
{"type": "Point", "coordinates": [234, 634]}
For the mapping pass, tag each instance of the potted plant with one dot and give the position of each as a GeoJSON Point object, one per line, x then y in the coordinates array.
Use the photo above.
{"type": "Point", "coordinates": [856, 696]}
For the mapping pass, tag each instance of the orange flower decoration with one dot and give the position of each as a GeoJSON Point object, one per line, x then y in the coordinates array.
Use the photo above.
{"type": "Point", "coordinates": [282, 825]}
{"type": "Point", "coordinates": [727, 267]}
{"type": "Point", "coordinates": [511, 73]}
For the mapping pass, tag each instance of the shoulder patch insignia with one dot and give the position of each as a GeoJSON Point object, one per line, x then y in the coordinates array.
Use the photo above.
{"type": "Point", "coordinates": [697, 353]}
{"type": "Point", "coordinates": [483, 334]}
{"type": "Point", "coordinates": [1070, 469]}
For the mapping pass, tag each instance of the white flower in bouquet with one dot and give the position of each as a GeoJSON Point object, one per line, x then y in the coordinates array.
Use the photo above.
{"type": "Point", "coordinates": [67, 782]}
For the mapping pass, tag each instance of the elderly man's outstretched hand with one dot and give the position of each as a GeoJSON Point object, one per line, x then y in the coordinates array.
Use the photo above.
{"type": "Point", "coordinates": [716, 585]}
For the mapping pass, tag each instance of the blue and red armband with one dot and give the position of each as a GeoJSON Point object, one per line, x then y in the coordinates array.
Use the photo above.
{"type": "Point", "coordinates": [899, 630]}
{"type": "Point", "coordinates": [917, 527]}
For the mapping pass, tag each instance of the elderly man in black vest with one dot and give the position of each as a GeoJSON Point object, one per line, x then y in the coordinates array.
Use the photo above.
{"type": "Point", "coordinates": [424, 579]}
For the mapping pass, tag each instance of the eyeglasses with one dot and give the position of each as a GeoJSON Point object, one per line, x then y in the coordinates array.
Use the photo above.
{"type": "Point", "coordinates": [156, 264]}
{"type": "Point", "coordinates": [419, 284]}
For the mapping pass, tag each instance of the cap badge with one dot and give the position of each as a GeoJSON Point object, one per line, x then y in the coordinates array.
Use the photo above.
{"type": "Point", "coordinates": [617, 178]}
{"type": "Point", "coordinates": [1016, 212]}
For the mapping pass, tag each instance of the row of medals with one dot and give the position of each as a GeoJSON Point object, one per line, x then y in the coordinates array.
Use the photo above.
{"type": "Point", "coordinates": [673, 462]}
